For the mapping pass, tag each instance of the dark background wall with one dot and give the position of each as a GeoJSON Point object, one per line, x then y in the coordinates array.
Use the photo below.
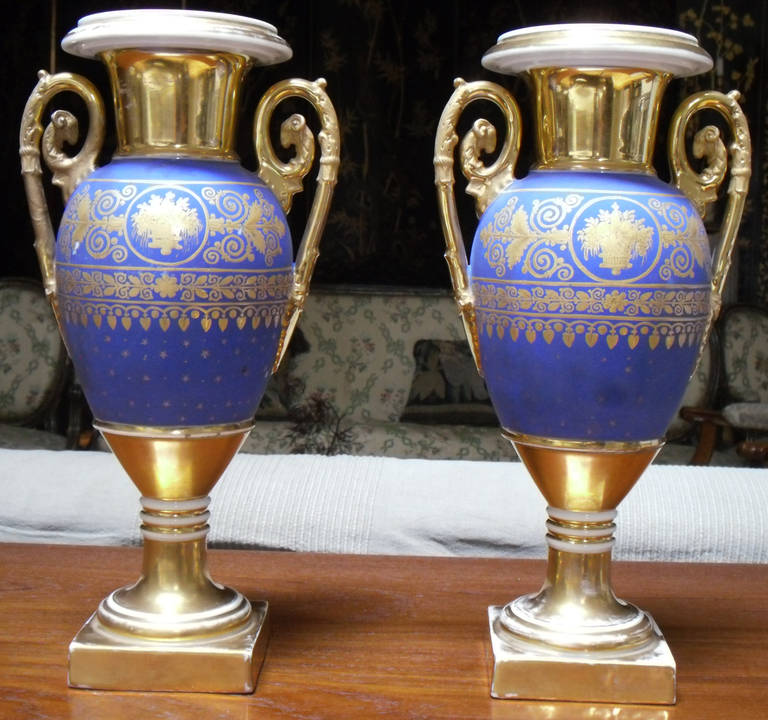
{"type": "Point", "coordinates": [390, 66]}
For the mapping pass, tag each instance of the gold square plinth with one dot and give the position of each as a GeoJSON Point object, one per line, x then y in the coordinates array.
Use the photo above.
{"type": "Point", "coordinates": [525, 671]}
{"type": "Point", "coordinates": [100, 659]}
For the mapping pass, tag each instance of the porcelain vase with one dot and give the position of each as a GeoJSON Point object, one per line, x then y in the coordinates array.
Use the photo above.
{"type": "Point", "coordinates": [173, 280]}
{"type": "Point", "coordinates": [590, 292]}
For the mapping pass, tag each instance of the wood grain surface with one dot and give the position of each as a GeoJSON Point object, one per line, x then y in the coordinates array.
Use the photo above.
{"type": "Point", "coordinates": [370, 636]}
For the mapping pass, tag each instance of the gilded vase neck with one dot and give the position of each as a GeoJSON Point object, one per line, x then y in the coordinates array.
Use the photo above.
{"type": "Point", "coordinates": [176, 103]}
{"type": "Point", "coordinates": [597, 118]}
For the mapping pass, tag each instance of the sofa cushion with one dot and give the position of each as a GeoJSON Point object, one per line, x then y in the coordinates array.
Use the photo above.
{"type": "Point", "coordinates": [23, 438]}
{"type": "Point", "coordinates": [446, 386]}
{"type": "Point", "coordinates": [359, 346]}
{"type": "Point", "coordinates": [748, 416]}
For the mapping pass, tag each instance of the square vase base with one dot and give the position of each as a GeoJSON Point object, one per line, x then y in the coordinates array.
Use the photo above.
{"type": "Point", "coordinates": [528, 673]}
{"type": "Point", "coordinates": [103, 660]}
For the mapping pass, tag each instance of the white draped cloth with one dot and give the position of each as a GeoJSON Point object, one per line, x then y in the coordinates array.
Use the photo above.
{"type": "Point", "coordinates": [346, 504]}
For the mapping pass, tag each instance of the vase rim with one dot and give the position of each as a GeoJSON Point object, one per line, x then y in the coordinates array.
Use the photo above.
{"type": "Point", "coordinates": [176, 30]}
{"type": "Point", "coordinates": [598, 45]}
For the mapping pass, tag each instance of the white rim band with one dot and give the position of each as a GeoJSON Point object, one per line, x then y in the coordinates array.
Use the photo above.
{"type": "Point", "coordinates": [580, 548]}
{"type": "Point", "coordinates": [176, 30]}
{"type": "Point", "coordinates": [598, 45]}
{"type": "Point", "coordinates": [581, 517]}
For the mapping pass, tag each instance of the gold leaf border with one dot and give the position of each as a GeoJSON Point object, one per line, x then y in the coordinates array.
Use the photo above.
{"type": "Point", "coordinates": [657, 333]}
{"type": "Point", "coordinates": [160, 286]}
{"type": "Point", "coordinates": [105, 315]}
{"type": "Point", "coordinates": [678, 301]}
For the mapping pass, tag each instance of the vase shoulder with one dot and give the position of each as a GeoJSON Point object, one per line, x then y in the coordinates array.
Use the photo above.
{"type": "Point", "coordinates": [174, 213]}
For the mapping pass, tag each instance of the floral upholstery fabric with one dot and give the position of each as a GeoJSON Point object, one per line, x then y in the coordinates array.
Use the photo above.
{"type": "Point", "coordinates": [360, 348]}
{"type": "Point", "coordinates": [356, 354]}
{"type": "Point", "coordinates": [745, 354]}
{"type": "Point", "coordinates": [399, 439]}
{"type": "Point", "coordinates": [31, 352]}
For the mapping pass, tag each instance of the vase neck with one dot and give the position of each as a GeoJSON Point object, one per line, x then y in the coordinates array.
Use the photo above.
{"type": "Point", "coordinates": [176, 103]}
{"type": "Point", "coordinates": [597, 118]}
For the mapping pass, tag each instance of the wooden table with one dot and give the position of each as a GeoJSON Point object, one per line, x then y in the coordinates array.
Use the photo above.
{"type": "Point", "coordinates": [366, 636]}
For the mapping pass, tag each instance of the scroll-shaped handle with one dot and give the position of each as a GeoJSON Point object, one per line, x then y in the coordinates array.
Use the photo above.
{"type": "Point", "coordinates": [701, 188]}
{"type": "Point", "coordinates": [285, 179]}
{"type": "Point", "coordinates": [67, 171]}
{"type": "Point", "coordinates": [484, 181]}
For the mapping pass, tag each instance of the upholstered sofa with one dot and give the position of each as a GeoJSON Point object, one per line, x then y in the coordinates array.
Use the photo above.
{"type": "Point", "coordinates": [738, 412]}
{"type": "Point", "coordinates": [379, 371]}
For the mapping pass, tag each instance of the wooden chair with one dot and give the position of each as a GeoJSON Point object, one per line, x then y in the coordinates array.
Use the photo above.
{"type": "Point", "coordinates": [740, 409]}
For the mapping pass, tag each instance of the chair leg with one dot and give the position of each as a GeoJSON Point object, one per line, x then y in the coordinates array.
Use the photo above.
{"type": "Point", "coordinates": [706, 445]}
{"type": "Point", "coordinates": [754, 451]}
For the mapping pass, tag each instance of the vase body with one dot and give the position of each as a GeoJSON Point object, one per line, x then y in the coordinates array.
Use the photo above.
{"type": "Point", "coordinates": [173, 280]}
{"type": "Point", "coordinates": [174, 265]}
{"type": "Point", "coordinates": [173, 276]}
{"type": "Point", "coordinates": [590, 292]}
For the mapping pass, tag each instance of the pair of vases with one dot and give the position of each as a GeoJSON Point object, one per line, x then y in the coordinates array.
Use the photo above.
{"type": "Point", "coordinates": [588, 299]}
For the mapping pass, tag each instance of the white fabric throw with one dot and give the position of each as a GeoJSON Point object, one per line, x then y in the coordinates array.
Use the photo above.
{"type": "Point", "coordinates": [386, 505]}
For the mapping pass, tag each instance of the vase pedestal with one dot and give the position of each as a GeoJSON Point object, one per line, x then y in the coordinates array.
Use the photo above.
{"type": "Point", "coordinates": [229, 663]}
{"type": "Point", "coordinates": [535, 672]}
{"type": "Point", "coordinates": [175, 629]}
{"type": "Point", "coordinates": [574, 639]}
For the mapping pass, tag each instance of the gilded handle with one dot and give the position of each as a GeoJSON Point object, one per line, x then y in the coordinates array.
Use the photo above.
{"type": "Point", "coordinates": [67, 171]}
{"type": "Point", "coordinates": [484, 182]}
{"type": "Point", "coordinates": [285, 179]}
{"type": "Point", "coordinates": [701, 188]}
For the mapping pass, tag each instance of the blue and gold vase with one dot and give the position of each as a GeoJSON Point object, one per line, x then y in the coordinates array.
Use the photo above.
{"type": "Point", "coordinates": [589, 296]}
{"type": "Point", "coordinates": [173, 280]}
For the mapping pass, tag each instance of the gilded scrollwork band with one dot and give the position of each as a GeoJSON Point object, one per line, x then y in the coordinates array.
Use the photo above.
{"type": "Point", "coordinates": [669, 331]}
{"type": "Point", "coordinates": [222, 316]}
{"type": "Point", "coordinates": [551, 241]}
{"type": "Point", "coordinates": [584, 299]}
{"type": "Point", "coordinates": [113, 295]}
{"type": "Point", "coordinates": [542, 239]}
{"type": "Point", "coordinates": [173, 223]}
